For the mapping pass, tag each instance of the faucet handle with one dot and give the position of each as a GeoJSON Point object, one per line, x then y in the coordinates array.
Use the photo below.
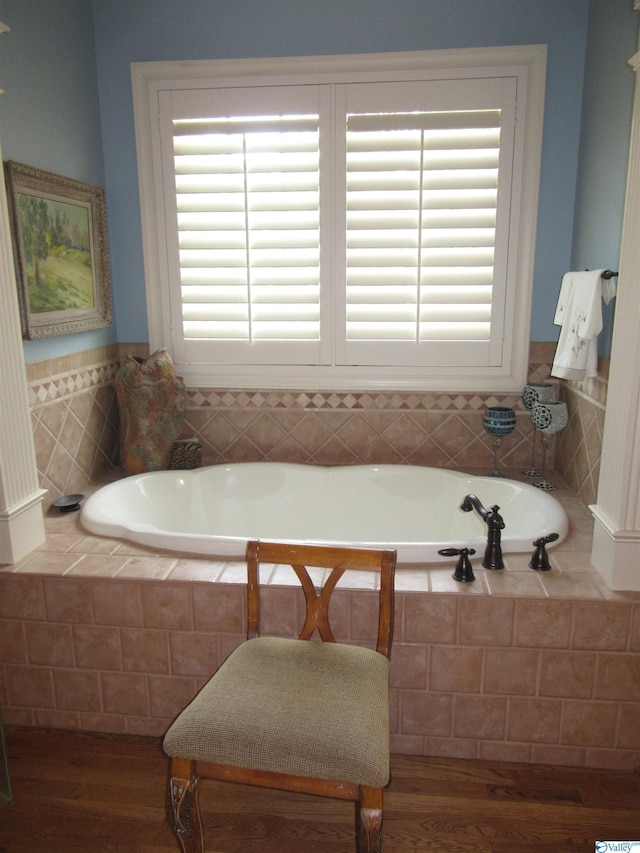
{"type": "Point", "coordinates": [463, 572]}
{"type": "Point", "coordinates": [539, 559]}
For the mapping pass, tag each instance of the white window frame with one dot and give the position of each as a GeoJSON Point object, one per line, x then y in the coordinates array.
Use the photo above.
{"type": "Point", "coordinates": [527, 64]}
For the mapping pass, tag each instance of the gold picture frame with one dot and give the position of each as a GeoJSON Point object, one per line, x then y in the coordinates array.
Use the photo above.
{"type": "Point", "coordinates": [61, 252]}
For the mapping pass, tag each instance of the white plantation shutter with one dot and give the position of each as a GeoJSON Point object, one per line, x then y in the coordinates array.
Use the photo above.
{"type": "Point", "coordinates": [431, 241]}
{"type": "Point", "coordinates": [348, 227]}
{"type": "Point", "coordinates": [247, 211]}
{"type": "Point", "coordinates": [424, 254]}
{"type": "Point", "coordinates": [248, 230]}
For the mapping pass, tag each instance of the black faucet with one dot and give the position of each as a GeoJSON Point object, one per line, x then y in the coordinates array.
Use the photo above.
{"type": "Point", "coordinates": [464, 570]}
{"type": "Point", "coordinates": [495, 523]}
{"type": "Point", "coordinates": [540, 559]}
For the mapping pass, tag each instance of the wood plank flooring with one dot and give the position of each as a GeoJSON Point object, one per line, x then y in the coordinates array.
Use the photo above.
{"type": "Point", "coordinates": [75, 793]}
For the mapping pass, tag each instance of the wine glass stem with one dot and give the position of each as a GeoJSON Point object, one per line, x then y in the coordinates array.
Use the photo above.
{"type": "Point", "coordinates": [533, 449]}
{"type": "Point", "coordinates": [546, 440]}
{"type": "Point", "coordinates": [497, 444]}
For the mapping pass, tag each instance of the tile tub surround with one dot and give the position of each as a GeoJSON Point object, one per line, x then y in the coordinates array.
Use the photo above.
{"type": "Point", "coordinates": [579, 447]}
{"type": "Point", "coordinates": [74, 417]}
{"type": "Point", "coordinates": [102, 635]}
{"type": "Point", "coordinates": [75, 424]}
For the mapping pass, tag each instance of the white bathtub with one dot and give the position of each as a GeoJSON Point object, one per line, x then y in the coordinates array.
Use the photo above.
{"type": "Point", "coordinates": [215, 510]}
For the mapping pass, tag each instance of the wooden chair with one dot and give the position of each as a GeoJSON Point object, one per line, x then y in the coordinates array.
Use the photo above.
{"type": "Point", "coordinates": [299, 716]}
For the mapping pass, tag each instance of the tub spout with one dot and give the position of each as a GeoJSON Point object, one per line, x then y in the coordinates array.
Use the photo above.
{"type": "Point", "coordinates": [472, 502]}
{"type": "Point", "coordinates": [495, 524]}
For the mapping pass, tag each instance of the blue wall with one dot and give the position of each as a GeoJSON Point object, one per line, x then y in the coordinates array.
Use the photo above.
{"type": "Point", "coordinates": [48, 117]}
{"type": "Point", "coordinates": [136, 30]}
{"type": "Point", "coordinates": [604, 142]}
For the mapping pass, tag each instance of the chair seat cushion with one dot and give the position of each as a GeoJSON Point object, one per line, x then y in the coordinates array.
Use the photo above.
{"type": "Point", "coordinates": [319, 710]}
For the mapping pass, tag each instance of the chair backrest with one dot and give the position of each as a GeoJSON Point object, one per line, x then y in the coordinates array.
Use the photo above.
{"type": "Point", "coordinates": [338, 560]}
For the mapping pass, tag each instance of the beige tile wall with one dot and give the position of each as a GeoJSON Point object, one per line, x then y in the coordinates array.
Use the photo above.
{"type": "Point", "coordinates": [579, 447]}
{"type": "Point", "coordinates": [75, 424]}
{"type": "Point", "coordinates": [521, 679]}
{"type": "Point", "coordinates": [75, 419]}
{"type": "Point", "coordinates": [518, 667]}
{"type": "Point", "coordinates": [99, 635]}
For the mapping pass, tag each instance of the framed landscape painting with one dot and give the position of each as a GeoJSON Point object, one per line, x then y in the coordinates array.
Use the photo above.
{"type": "Point", "coordinates": [59, 229]}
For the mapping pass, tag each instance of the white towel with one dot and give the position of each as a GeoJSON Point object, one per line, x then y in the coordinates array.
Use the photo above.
{"type": "Point", "coordinates": [579, 313]}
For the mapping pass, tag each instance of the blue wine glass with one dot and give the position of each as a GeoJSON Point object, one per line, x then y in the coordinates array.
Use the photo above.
{"type": "Point", "coordinates": [498, 421]}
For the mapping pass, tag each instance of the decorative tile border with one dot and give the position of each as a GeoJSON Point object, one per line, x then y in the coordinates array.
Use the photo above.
{"type": "Point", "coordinates": [49, 391]}
{"type": "Point", "coordinates": [594, 390]}
{"type": "Point", "coordinates": [202, 398]}
{"type": "Point", "coordinates": [56, 379]}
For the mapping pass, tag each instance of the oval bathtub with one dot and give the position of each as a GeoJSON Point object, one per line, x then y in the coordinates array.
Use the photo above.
{"type": "Point", "coordinates": [215, 510]}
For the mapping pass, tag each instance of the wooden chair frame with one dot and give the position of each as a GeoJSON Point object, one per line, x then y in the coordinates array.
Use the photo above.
{"type": "Point", "coordinates": [185, 773]}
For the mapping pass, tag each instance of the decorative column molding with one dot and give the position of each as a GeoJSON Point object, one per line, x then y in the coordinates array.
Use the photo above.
{"type": "Point", "coordinates": [616, 538]}
{"type": "Point", "coordinates": [21, 521]}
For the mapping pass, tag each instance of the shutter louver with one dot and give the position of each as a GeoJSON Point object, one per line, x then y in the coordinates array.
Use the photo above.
{"type": "Point", "coordinates": [421, 225]}
{"type": "Point", "coordinates": [247, 197]}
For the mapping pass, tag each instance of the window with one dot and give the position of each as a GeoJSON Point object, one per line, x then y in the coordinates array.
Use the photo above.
{"type": "Point", "coordinates": [347, 222]}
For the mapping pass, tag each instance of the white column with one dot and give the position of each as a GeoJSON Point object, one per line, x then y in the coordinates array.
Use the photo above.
{"type": "Point", "coordinates": [616, 538]}
{"type": "Point", "coordinates": [21, 521]}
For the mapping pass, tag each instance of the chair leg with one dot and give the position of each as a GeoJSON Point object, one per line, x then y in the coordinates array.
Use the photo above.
{"type": "Point", "coordinates": [184, 808]}
{"type": "Point", "coordinates": [369, 820]}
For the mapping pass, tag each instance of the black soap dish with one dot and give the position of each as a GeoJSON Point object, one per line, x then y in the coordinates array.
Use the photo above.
{"type": "Point", "coordinates": [68, 503]}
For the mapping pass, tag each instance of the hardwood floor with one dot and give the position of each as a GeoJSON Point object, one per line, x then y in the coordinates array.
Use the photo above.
{"type": "Point", "coordinates": [75, 793]}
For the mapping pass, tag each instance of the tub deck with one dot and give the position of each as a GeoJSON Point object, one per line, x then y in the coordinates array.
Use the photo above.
{"type": "Point", "coordinates": [70, 550]}
{"type": "Point", "coordinates": [100, 634]}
